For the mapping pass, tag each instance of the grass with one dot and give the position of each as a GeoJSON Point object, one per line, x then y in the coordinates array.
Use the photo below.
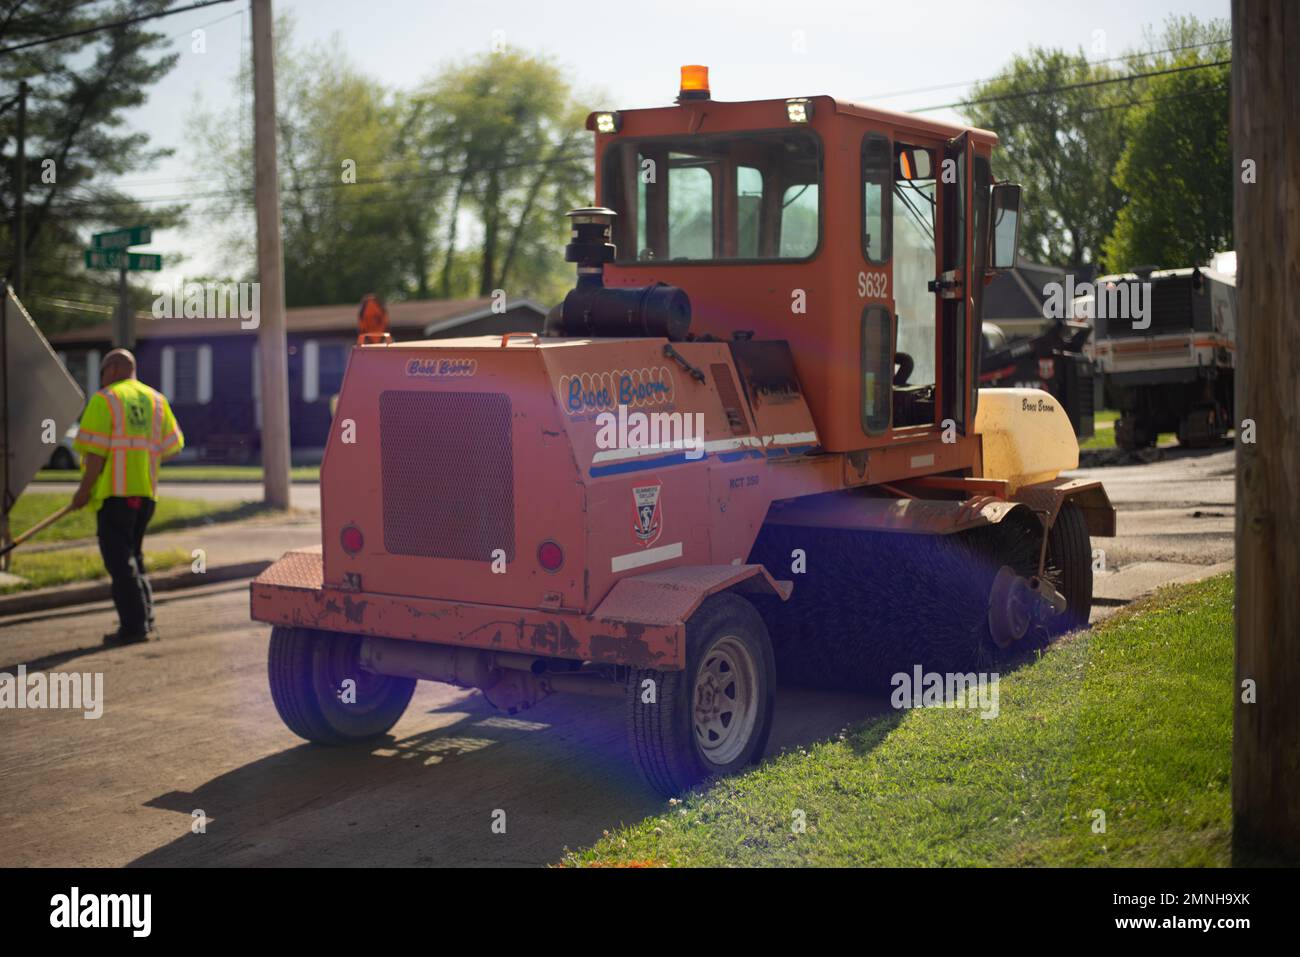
{"type": "Point", "coordinates": [43, 569]}
{"type": "Point", "coordinates": [198, 473]}
{"type": "Point", "coordinates": [171, 513]}
{"type": "Point", "coordinates": [1103, 436]}
{"type": "Point", "coordinates": [1105, 439]}
{"type": "Point", "coordinates": [1133, 719]}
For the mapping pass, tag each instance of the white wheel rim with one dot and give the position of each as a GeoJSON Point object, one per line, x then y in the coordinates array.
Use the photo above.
{"type": "Point", "coordinates": [725, 708]}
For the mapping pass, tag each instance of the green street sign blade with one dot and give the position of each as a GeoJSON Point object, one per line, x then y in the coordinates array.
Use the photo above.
{"type": "Point", "coordinates": [115, 258]}
{"type": "Point", "coordinates": [149, 262]}
{"type": "Point", "coordinates": [122, 238]}
{"type": "Point", "coordinates": [102, 258]}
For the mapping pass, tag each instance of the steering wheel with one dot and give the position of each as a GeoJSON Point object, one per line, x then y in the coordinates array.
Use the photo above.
{"type": "Point", "coordinates": [905, 365]}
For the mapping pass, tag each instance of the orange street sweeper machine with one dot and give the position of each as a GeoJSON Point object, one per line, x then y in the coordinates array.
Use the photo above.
{"type": "Point", "coordinates": [750, 444]}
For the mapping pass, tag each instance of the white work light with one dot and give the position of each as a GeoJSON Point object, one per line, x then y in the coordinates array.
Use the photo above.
{"type": "Point", "coordinates": [799, 110]}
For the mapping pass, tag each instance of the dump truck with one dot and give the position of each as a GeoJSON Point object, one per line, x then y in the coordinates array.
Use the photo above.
{"type": "Point", "coordinates": [1054, 361]}
{"type": "Point", "coordinates": [749, 445]}
{"type": "Point", "coordinates": [1172, 371]}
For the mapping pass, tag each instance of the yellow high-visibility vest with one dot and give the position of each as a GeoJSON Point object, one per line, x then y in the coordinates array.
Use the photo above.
{"type": "Point", "coordinates": [133, 428]}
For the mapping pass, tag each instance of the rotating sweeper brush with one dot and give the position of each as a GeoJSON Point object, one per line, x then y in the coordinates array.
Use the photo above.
{"type": "Point", "coordinates": [869, 605]}
{"type": "Point", "coordinates": [771, 348]}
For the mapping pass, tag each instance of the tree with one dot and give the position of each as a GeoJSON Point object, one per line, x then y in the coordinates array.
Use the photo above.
{"type": "Point", "coordinates": [80, 88]}
{"type": "Point", "coordinates": [509, 134]}
{"type": "Point", "coordinates": [458, 188]}
{"type": "Point", "coordinates": [1175, 174]}
{"type": "Point", "coordinates": [357, 208]}
{"type": "Point", "coordinates": [1061, 142]}
{"type": "Point", "coordinates": [1065, 124]}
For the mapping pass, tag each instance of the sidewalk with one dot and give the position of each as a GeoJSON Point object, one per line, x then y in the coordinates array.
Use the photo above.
{"type": "Point", "coordinates": [230, 550]}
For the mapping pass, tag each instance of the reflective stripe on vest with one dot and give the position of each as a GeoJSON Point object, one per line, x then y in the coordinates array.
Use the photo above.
{"type": "Point", "coordinates": [117, 443]}
{"type": "Point", "coordinates": [120, 445]}
{"type": "Point", "coordinates": [155, 443]}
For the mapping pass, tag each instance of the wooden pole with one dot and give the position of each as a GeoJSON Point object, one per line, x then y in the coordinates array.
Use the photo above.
{"type": "Point", "coordinates": [124, 333]}
{"type": "Point", "coordinates": [272, 349]}
{"type": "Point", "coordinates": [20, 195]}
{"type": "Point", "coordinates": [1266, 224]}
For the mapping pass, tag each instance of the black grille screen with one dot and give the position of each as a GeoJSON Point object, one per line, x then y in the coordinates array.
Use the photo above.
{"type": "Point", "coordinates": [1170, 304]}
{"type": "Point", "coordinates": [448, 473]}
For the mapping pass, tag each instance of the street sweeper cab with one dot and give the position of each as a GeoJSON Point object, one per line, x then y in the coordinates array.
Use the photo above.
{"type": "Point", "coordinates": [750, 443]}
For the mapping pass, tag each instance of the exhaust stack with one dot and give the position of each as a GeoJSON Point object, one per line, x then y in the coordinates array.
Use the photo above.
{"type": "Point", "coordinates": [592, 310]}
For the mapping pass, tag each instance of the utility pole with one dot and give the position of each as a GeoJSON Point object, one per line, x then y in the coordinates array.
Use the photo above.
{"type": "Point", "coordinates": [20, 191]}
{"type": "Point", "coordinates": [124, 331]}
{"type": "Point", "coordinates": [272, 349]}
{"type": "Point", "coordinates": [1266, 160]}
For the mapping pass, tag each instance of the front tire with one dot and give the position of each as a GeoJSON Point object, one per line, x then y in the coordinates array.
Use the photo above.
{"type": "Point", "coordinates": [308, 670]}
{"type": "Point", "coordinates": [714, 718]}
{"type": "Point", "coordinates": [1069, 560]}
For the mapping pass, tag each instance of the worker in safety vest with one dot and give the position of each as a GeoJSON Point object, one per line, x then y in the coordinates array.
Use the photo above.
{"type": "Point", "coordinates": [126, 431]}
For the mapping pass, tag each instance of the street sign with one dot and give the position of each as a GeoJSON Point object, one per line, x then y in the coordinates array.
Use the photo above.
{"type": "Point", "coordinates": [116, 258]}
{"type": "Point", "coordinates": [110, 252]}
{"type": "Point", "coordinates": [122, 238]}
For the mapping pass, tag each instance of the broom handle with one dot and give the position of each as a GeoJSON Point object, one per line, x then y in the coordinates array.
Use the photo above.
{"type": "Point", "coordinates": [43, 524]}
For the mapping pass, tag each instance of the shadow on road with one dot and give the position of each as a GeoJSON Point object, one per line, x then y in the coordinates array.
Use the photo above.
{"type": "Point", "coordinates": [560, 772]}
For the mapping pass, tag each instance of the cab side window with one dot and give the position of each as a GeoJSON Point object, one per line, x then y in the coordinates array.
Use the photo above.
{"type": "Point", "coordinates": [877, 186]}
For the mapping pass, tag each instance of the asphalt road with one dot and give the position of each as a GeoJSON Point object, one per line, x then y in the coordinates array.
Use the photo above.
{"type": "Point", "coordinates": [1179, 509]}
{"type": "Point", "coordinates": [188, 726]}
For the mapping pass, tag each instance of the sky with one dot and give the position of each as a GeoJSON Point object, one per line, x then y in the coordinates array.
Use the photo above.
{"type": "Point", "coordinates": [629, 53]}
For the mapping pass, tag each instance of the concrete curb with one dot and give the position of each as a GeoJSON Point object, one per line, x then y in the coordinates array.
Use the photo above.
{"type": "Point", "coordinates": [78, 593]}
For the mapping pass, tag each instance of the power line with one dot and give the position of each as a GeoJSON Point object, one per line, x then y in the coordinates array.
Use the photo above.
{"type": "Point", "coordinates": [24, 22]}
{"type": "Point", "coordinates": [1076, 86]}
{"type": "Point", "coordinates": [1156, 99]}
{"type": "Point", "coordinates": [117, 24]}
{"type": "Point", "coordinates": [1128, 56]}
{"type": "Point", "coordinates": [289, 190]}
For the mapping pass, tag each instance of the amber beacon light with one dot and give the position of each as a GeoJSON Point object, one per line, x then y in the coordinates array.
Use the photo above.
{"type": "Point", "coordinates": [695, 83]}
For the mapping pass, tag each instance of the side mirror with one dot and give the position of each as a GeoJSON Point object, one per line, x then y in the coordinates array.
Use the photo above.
{"type": "Point", "coordinates": [913, 163]}
{"type": "Point", "coordinates": [1005, 225]}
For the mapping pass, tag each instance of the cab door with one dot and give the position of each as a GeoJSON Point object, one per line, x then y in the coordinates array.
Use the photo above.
{"type": "Point", "coordinates": [954, 286]}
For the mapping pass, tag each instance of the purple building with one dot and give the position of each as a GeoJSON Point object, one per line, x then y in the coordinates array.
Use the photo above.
{"type": "Point", "coordinates": [208, 368]}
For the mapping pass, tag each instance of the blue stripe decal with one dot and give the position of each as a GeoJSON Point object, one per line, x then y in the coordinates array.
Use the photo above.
{"type": "Point", "coordinates": [638, 465]}
{"type": "Point", "coordinates": [679, 458]}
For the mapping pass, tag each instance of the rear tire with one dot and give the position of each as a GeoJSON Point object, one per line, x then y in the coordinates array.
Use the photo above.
{"type": "Point", "coordinates": [1134, 432]}
{"type": "Point", "coordinates": [714, 718]}
{"type": "Point", "coordinates": [1069, 561]}
{"type": "Point", "coordinates": [307, 670]}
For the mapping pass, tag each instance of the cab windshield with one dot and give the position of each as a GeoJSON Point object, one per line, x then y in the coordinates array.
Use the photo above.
{"type": "Point", "coordinates": [717, 197]}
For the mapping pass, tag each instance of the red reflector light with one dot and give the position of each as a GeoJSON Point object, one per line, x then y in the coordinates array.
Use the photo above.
{"type": "Point", "coordinates": [351, 539]}
{"type": "Point", "coordinates": [550, 556]}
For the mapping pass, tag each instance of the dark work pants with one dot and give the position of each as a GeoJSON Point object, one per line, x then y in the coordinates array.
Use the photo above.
{"type": "Point", "coordinates": [121, 526]}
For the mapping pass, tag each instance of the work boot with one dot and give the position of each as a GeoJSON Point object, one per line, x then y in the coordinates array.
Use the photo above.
{"type": "Point", "coordinates": [116, 638]}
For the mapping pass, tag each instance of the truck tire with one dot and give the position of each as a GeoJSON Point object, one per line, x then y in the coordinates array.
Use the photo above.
{"type": "Point", "coordinates": [713, 718]}
{"type": "Point", "coordinates": [62, 460]}
{"type": "Point", "coordinates": [307, 670]}
{"type": "Point", "coordinates": [1135, 432]}
{"type": "Point", "coordinates": [1069, 560]}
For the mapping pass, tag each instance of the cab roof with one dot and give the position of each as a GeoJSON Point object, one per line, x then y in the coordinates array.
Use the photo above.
{"type": "Point", "coordinates": [893, 119]}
